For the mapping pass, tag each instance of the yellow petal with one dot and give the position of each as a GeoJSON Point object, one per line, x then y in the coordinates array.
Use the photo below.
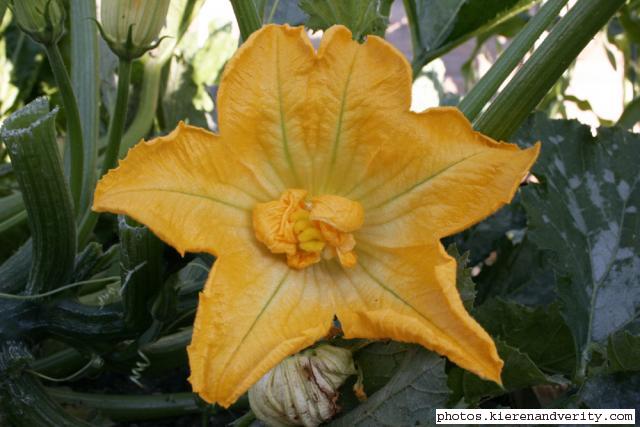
{"type": "Point", "coordinates": [446, 178]}
{"type": "Point", "coordinates": [263, 102]}
{"type": "Point", "coordinates": [254, 312]}
{"type": "Point", "coordinates": [410, 295]}
{"type": "Point", "coordinates": [356, 88]}
{"type": "Point", "coordinates": [343, 214]}
{"type": "Point", "coordinates": [187, 189]}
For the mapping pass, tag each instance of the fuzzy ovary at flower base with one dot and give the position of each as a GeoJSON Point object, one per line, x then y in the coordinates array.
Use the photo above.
{"type": "Point", "coordinates": [323, 195]}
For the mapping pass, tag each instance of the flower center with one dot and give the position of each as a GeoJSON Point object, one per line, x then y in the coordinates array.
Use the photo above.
{"type": "Point", "coordinates": [309, 230]}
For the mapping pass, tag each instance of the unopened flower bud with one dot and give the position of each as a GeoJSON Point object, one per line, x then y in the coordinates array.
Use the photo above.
{"type": "Point", "coordinates": [43, 20]}
{"type": "Point", "coordinates": [302, 389]}
{"type": "Point", "coordinates": [130, 27]}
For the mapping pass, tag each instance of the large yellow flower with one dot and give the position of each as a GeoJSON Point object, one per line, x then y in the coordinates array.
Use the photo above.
{"type": "Point", "coordinates": [322, 195]}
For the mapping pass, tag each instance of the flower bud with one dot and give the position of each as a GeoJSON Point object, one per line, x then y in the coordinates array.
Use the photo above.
{"type": "Point", "coordinates": [302, 389]}
{"type": "Point", "coordinates": [43, 20]}
{"type": "Point", "coordinates": [130, 27]}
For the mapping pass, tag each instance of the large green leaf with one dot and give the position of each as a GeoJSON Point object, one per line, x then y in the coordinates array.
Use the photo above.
{"type": "Point", "coordinates": [409, 398]}
{"type": "Point", "coordinates": [586, 212]}
{"type": "Point", "coordinates": [539, 332]}
{"type": "Point", "coordinates": [379, 362]}
{"type": "Point", "coordinates": [484, 237]}
{"type": "Point", "coordinates": [438, 26]}
{"type": "Point", "coordinates": [519, 372]}
{"type": "Point", "coordinates": [362, 17]}
{"type": "Point", "coordinates": [520, 273]}
{"type": "Point", "coordinates": [464, 283]}
{"type": "Point", "coordinates": [623, 349]}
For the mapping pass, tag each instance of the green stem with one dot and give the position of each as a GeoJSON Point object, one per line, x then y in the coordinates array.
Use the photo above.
{"type": "Point", "coordinates": [483, 91]}
{"type": "Point", "coordinates": [57, 290]}
{"type": "Point", "coordinates": [147, 106]}
{"type": "Point", "coordinates": [116, 130]}
{"type": "Point", "coordinates": [23, 400]}
{"type": "Point", "coordinates": [273, 11]}
{"type": "Point", "coordinates": [247, 16]}
{"type": "Point", "coordinates": [116, 127]}
{"type": "Point", "coordinates": [546, 65]}
{"type": "Point", "coordinates": [414, 28]}
{"type": "Point", "coordinates": [132, 407]}
{"type": "Point", "coordinates": [85, 74]}
{"type": "Point", "coordinates": [245, 421]}
{"type": "Point", "coordinates": [62, 362]}
{"type": "Point", "coordinates": [74, 127]}
{"type": "Point", "coordinates": [30, 136]}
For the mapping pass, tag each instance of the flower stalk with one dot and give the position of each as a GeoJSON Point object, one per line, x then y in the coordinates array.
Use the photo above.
{"type": "Point", "coordinates": [74, 126]}
{"type": "Point", "coordinates": [85, 76]}
{"type": "Point", "coordinates": [116, 126]}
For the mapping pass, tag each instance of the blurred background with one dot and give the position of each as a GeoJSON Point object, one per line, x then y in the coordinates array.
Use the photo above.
{"type": "Point", "coordinates": [594, 90]}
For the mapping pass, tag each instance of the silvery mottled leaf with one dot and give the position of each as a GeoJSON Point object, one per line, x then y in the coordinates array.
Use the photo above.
{"type": "Point", "coordinates": [586, 212]}
{"type": "Point", "coordinates": [612, 391]}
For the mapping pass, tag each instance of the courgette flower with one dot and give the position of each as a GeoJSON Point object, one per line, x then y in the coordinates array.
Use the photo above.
{"type": "Point", "coordinates": [322, 195]}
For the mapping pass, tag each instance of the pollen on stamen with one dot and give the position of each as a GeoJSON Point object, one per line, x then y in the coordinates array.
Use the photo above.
{"type": "Point", "coordinates": [308, 233]}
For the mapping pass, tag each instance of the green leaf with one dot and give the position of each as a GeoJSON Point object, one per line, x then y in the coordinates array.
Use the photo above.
{"type": "Point", "coordinates": [612, 391]}
{"type": "Point", "coordinates": [438, 26]}
{"type": "Point", "coordinates": [631, 115]}
{"type": "Point", "coordinates": [519, 372]}
{"type": "Point", "coordinates": [541, 333]}
{"type": "Point", "coordinates": [379, 363]}
{"type": "Point", "coordinates": [520, 273]}
{"type": "Point", "coordinates": [623, 351]}
{"type": "Point", "coordinates": [586, 212]}
{"type": "Point", "coordinates": [188, 282]}
{"type": "Point", "coordinates": [177, 102]}
{"type": "Point", "coordinates": [409, 398]}
{"type": "Point", "coordinates": [362, 17]}
{"type": "Point", "coordinates": [464, 283]}
{"type": "Point", "coordinates": [482, 238]}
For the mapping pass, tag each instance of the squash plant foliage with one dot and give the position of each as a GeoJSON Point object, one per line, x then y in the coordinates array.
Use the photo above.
{"type": "Point", "coordinates": [98, 309]}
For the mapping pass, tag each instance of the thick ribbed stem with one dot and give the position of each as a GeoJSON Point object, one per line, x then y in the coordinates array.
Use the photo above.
{"type": "Point", "coordinates": [545, 66]}
{"type": "Point", "coordinates": [473, 103]}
